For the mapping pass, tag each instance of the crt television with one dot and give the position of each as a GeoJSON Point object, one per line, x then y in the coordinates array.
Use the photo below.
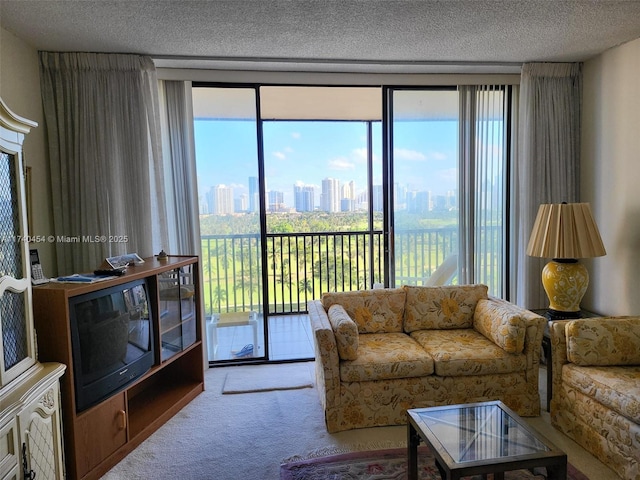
{"type": "Point", "coordinates": [112, 340]}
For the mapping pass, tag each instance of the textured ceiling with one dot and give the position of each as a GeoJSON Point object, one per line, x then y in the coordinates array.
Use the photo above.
{"type": "Point", "coordinates": [339, 35]}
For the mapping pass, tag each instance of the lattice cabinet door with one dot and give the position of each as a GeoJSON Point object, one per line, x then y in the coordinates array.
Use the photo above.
{"type": "Point", "coordinates": [17, 346]}
{"type": "Point", "coordinates": [40, 427]}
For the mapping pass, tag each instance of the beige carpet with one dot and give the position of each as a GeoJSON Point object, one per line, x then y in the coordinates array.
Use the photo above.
{"type": "Point", "coordinates": [230, 437]}
{"type": "Point", "coordinates": [290, 377]}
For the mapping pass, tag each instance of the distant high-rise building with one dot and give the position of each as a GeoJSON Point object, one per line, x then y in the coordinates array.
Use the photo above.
{"type": "Point", "coordinates": [349, 190]}
{"type": "Point", "coordinates": [254, 194]}
{"type": "Point", "coordinates": [276, 201]}
{"type": "Point", "coordinates": [303, 198]}
{"type": "Point", "coordinates": [203, 205]}
{"type": "Point", "coordinates": [330, 197]}
{"type": "Point", "coordinates": [221, 200]}
{"type": "Point", "coordinates": [240, 203]}
{"type": "Point", "coordinates": [422, 202]}
{"type": "Point", "coordinates": [440, 203]}
{"type": "Point", "coordinates": [347, 205]}
{"type": "Point", "coordinates": [400, 196]}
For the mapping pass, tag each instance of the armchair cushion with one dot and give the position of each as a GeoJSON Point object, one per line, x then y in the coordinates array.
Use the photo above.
{"type": "Point", "coordinates": [500, 324]}
{"type": "Point", "coordinates": [604, 341]}
{"type": "Point", "coordinates": [439, 308]}
{"type": "Point", "coordinates": [615, 387]}
{"type": "Point", "coordinates": [345, 331]}
{"type": "Point", "coordinates": [374, 311]}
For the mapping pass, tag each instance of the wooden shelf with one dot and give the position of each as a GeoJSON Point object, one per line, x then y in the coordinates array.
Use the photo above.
{"type": "Point", "coordinates": [155, 405]}
{"type": "Point", "coordinates": [121, 422]}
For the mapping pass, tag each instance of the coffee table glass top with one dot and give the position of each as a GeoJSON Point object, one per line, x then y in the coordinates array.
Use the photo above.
{"type": "Point", "coordinates": [478, 432]}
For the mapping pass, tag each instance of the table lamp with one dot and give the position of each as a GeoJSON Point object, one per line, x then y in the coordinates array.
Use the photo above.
{"type": "Point", "coordinates": [565, 232]}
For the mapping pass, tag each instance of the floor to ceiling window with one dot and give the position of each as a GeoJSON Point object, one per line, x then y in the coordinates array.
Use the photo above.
{"type": "Point", "coordinates": [319, 227]}
{"type": "Point", "coordinates": [306, 190]}
{"type": "Point", "coordinates": [425, 182]}
{"type": "Point", "coordinates": [228, 167]}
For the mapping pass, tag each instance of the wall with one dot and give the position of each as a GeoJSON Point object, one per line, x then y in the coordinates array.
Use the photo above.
{"type": "Point", "coordinates": [610, 176]}
{"type": "Point", "coordinates": [20, 90]}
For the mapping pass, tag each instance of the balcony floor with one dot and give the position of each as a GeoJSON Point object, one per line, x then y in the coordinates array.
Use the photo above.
{"type": "Point", "coordinates": [290, 338]}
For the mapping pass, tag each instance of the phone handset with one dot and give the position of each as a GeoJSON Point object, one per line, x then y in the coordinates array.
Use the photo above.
{"type": "Point", "coordinates": [37, 275]}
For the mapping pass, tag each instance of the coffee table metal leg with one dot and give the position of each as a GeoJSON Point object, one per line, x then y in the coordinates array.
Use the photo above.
{"type": "Point", "coordinates": [413, 439]}
{"type": "Point", "coordinates": [443, 473]}
{"type": "Point", "coordinates": [557, 472]}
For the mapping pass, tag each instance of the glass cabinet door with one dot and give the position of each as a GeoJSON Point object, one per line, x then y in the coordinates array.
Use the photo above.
{"type": "Point", "coordinates": [177, 310]}
{"type": "Point", "coordinates": [18, 350]}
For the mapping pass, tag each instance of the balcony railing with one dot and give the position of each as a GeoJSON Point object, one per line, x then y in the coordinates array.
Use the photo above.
{"type": "Point", "coordinates": [302, 266]}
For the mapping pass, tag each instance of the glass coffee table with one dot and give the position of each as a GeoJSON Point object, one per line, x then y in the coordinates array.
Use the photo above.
{"type": "Point", "coordinates": [479, 438]}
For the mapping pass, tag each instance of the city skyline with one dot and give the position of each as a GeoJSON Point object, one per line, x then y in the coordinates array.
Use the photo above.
{"type": "Point", "coordinates": [304, 153]}
{"type": "Point", "coordinates": [333, 197]}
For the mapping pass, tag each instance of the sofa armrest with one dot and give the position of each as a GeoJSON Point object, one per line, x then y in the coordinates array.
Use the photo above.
{"type": "Point", "coordinates": [534, 330]}
{"type": "Point", "coordinates": [326, 354]}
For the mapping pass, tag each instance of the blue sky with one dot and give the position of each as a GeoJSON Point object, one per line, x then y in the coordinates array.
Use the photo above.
{"type": "Point", "coordinates": [309, 151]}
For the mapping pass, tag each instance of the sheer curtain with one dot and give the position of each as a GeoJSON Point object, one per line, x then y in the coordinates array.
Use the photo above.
{"type": "Point", "coordinates": [483, 148]}
{"type": "Point", "coordinates": [180, 168]}
{"type": "Point", "coordinates": [102, 119]}
{"type": "Point", "coordinates": [547, 169]}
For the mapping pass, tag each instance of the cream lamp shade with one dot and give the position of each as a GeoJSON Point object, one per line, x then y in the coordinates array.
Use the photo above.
{"type": "Point", "coordinates": [565, 232]}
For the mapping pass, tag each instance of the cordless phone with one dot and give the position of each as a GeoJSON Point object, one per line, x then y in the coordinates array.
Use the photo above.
{"type": "Point", "coordinates": [37, 276]}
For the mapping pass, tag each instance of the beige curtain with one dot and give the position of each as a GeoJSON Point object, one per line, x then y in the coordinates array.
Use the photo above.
{"type": "Point", "coordinates": [547, 167]}
{"type": "Point", "coordinates": [180, 168]}
{"type": "Point", "coordinates": [102, 120]}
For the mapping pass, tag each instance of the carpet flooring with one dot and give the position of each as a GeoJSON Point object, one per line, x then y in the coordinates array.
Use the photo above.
{"type": "Point", "coordinates": [248, 436]}
{"type": "Point", "coordinates": [388, 465]}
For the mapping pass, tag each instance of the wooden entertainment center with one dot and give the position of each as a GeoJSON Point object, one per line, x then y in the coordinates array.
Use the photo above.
{"type": "Point", "coordinates": [102, 435]}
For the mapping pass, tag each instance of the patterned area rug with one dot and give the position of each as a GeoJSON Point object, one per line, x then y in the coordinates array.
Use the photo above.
{"type": "Point", "coordinates": [387, 465]}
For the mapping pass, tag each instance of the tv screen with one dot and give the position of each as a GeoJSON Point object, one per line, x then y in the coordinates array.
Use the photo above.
{"type": "Point", "coordinates": [112, 340]}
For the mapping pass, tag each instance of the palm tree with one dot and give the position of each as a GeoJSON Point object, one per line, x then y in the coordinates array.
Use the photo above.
{"type": "Point", "coordinates": [219, 296]}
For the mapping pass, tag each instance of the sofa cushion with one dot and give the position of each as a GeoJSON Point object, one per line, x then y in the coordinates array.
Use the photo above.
{"type": "Point", "coordinates": [604, 341]}
{"type": "Point", "coordinates": [383, 356]}
{"type": "Point", "coordinates": [345, 331]}
{"type": "Point", "coordinates": [438, 308]}
{"type": "Point", "coordinates": [500, 324]}
{"type": "Point", "coordinates": [467, 352]}
{"type": "Point", "coordinates": [374, 311]}
{"type": "Point", "coordinates": [615, 387]}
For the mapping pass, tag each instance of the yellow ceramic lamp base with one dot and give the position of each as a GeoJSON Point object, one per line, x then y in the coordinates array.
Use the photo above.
{"type": "Point", "coordinates": [565, 283]}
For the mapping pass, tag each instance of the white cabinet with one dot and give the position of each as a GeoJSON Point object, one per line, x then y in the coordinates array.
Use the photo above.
{"type": "Point", "coordinates": [30, 419]}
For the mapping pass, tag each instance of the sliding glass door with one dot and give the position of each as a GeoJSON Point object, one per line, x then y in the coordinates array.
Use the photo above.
{"type": "Point", "coordinates": [226, 131]}
{"type": "Point", "coordinates": [447, 152]}
{"type": "Point", "coordinates": [307, 190]}
{"type": "Point", "coordinates": [423, 180]}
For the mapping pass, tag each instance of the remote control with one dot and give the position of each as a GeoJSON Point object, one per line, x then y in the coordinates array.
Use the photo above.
{"type": "Point", "coordinates": [107, 273]}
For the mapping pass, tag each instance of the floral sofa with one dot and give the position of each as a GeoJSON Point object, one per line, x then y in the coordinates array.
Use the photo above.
{"type": "Point", "coordinates": [596, 388]}
{"type": "Point", "coordinates": [380, 352]}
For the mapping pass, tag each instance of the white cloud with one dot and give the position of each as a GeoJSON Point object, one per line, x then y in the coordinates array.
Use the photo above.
{"type": "Point", "coordinates": [341, 163]}
{"type": "Point", "coordinates": [416, 156]}
{"type": "Point", "coordinates": [295, 135]}
{"type": "Point", "coordinates": [279, 155]}
{"type": "Point", "coordinates": [439, 156]}
{"type": "Point", "coordinates": [360, 153]}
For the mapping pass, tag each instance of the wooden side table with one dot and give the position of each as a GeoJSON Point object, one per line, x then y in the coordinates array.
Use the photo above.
{"type": "Point", "coordinates": [546, 342]}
